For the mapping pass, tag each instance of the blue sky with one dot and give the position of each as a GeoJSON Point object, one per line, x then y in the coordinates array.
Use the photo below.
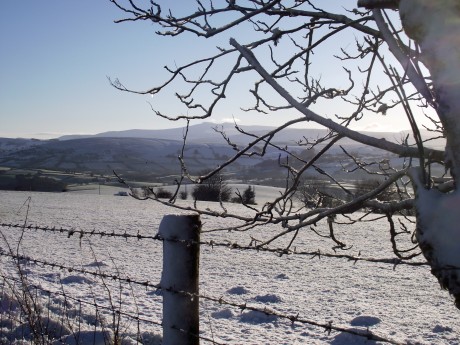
{"type": "Point", "coordinates": [56, 56]}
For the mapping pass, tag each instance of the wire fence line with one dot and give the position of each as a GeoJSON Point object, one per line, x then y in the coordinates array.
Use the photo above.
{"type": "Point", "coordinates": [98, 306]}
{"type": "Point", "coordinates": [297, 318]}
{"type": "Point", "coordinates": [69, 232]}
{"type": "Point", "coordinates": [228, 244]}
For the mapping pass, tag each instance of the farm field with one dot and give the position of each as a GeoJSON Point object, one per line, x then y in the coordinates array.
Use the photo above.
{"type": "Point", "coordinates": [402, 304]}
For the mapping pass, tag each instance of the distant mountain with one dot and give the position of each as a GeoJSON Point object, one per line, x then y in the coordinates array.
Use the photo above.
{"type": "Point", "coordinates": [205, 133]}
{"type": "Point", "coordinates": [140, 158]}
{"type": "Point", "coordinates": [200, 133]}
{"type": "Point", "coordinates": [148, 153]}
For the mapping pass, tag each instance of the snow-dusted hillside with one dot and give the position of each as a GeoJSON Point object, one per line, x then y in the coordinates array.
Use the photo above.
{"type": "Point", "coordinates": [402, 303]}
{"type": "Point", "coordinates": [155, 152]}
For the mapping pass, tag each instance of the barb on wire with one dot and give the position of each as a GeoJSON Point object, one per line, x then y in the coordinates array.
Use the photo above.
{"type": "Point", "coordinates": [100, 306]}
{"type": "Point", "coordinates": [81, 233]}
{"type": "Point", "coordinates": [83, 301]}
{"type": "Point", "coordinates": [241, 306]}
{"type": "Point", "coordinates": [257, 248]}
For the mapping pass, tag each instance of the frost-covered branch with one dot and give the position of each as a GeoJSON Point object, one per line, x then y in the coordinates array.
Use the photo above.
{"type": "Point", "coordinates": [401, 63]}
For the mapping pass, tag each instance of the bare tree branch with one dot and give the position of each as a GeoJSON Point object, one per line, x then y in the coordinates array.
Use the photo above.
{"type": "Point", "coordinates": [311, 116]}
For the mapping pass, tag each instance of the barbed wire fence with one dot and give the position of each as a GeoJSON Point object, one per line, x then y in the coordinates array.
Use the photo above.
{"type": "Point", "coordinates": [136, 317]}
{"type": "Point", "coordinates": [228, 244]}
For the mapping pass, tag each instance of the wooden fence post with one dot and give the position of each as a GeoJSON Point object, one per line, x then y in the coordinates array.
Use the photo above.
{"type": "Point", "coordinates": [181, 254]}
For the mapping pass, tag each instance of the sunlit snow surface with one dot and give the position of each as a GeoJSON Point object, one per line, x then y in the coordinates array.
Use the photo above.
{"type": "Point", "coordinates": [403, 304]}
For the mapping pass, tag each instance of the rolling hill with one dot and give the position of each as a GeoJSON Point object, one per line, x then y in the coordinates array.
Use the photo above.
{"type": "Point", "coordinates": [145, 154]}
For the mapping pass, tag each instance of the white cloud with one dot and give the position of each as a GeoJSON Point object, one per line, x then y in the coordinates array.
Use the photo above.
{"type": "Point", "coordinates": [230, 119]}
{"type": "Point", "coordinates": [226, 120]}
{"type": "Point", "coordinates": [379, 127]}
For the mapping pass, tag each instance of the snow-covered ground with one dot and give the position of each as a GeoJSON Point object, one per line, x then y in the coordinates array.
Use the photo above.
{"type": "Point", "coordinates": [404, 303]}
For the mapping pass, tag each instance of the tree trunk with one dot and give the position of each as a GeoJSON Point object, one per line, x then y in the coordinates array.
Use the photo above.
{"type": "Point", "coordinates": [435, 26]}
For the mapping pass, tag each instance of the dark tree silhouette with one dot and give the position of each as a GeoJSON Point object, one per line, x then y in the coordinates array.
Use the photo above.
{"type": "Point", "coordinates": [212, 189]}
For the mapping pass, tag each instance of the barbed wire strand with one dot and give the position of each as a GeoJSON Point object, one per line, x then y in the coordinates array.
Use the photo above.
{"type": "Point", "coordinates": [328, 327]}
{"type": "Point", "coordinates": [100, 306]}
{"type": "Point", "coordinates": [225, 244]}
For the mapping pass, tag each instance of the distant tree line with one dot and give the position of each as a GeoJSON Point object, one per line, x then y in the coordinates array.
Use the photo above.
{"type": "Point", "coordinates": [216, 188]}
{"type": "Point", "coordinates": [213, 189]}
{"type": "Point", "coordinates": [36, 183]}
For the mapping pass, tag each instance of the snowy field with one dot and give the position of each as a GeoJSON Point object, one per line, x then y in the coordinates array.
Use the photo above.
{"type": "Point", "coordinates": [403, 304]}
